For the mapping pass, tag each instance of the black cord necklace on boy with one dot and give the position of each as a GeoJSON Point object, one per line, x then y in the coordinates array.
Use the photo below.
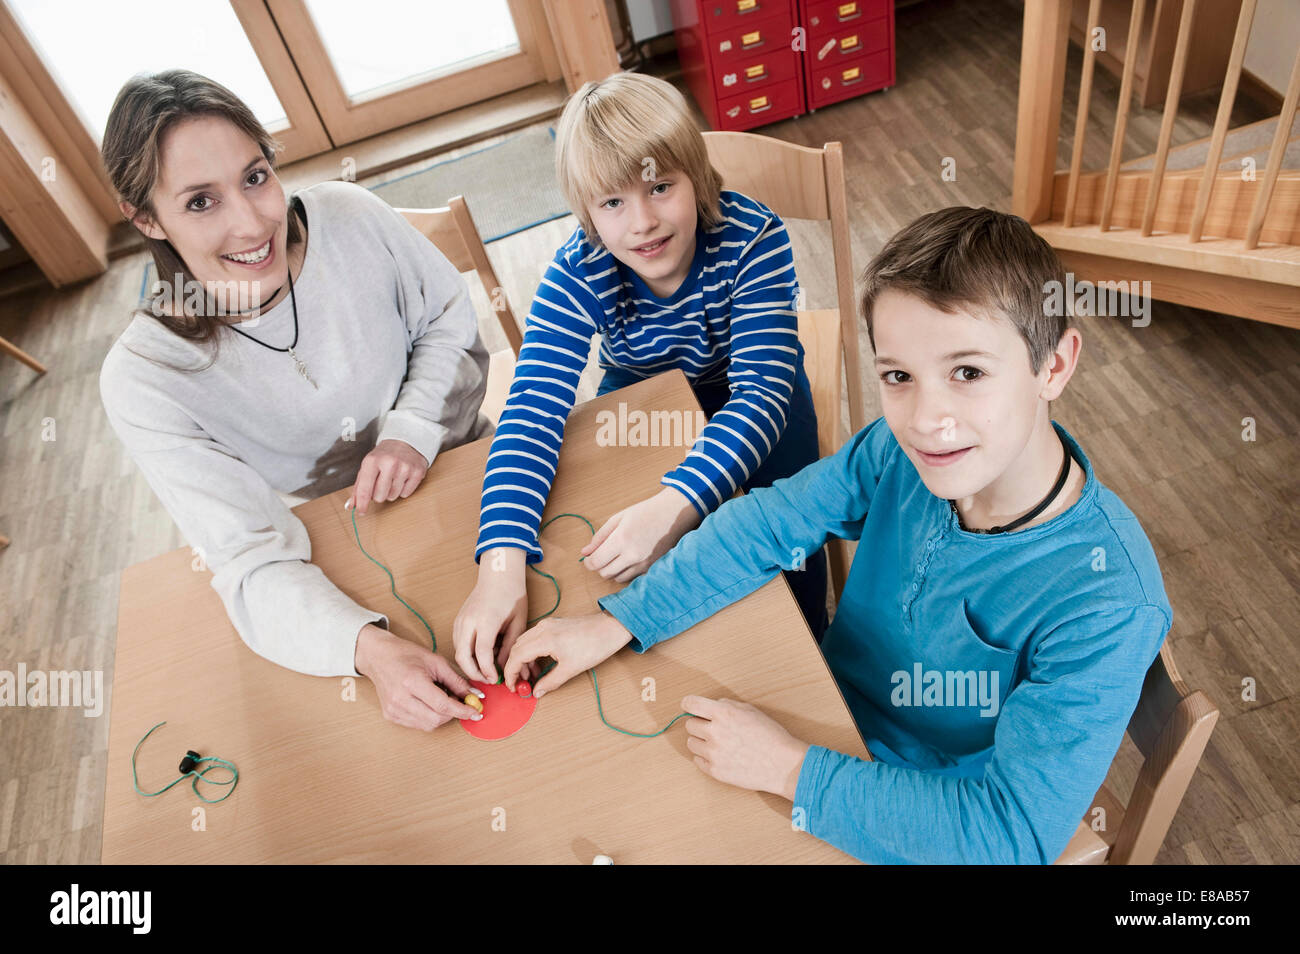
{"type": "Point", "coordinates": [1060, 482]}
{"type": "Point", "coordinates": [302, 368]}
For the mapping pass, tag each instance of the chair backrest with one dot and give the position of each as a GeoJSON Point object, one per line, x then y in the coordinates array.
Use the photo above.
{"type": "Point", "coordinates": [453, 231]}
{"type": "Point", "coordinates": [1170, 727]}
{"type": "Point", "coordinates": [798, 182]}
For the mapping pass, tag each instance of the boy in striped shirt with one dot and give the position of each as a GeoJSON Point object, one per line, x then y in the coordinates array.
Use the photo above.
{"type": "Point", "coordinates": [672, 272]}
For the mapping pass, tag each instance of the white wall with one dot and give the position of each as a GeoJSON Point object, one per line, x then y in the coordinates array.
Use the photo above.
{"type": "Point", "coordinates": [1274, 37]}
{"type": "Point", "coordinates": [649, 18]}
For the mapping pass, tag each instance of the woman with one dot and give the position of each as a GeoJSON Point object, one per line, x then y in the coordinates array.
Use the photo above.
{"type": "Point", "coordinates": [288, 351]}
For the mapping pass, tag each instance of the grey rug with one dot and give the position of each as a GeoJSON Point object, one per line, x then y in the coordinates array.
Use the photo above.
{"type": "Point", "coordinates": [508, 187]}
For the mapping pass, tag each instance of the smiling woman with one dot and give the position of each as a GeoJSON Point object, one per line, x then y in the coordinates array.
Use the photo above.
{"type": "Point", "coordinates": [215, 401]}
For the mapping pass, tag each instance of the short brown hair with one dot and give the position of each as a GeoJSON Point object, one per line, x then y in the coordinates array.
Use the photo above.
{"type": "Point", "coordinates": [610, 132]}
{"type": "Point", "coordinates": [985, 262]}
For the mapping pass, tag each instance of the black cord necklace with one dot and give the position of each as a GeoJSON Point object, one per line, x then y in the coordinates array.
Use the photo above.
{"type": "Point", "coordinates": [1060, 482]}
{"type": "Point", "coordinates": [302, 368]}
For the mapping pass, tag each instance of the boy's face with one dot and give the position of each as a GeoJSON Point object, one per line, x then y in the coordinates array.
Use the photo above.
{"type": "Point", "coordinates": [649, 226]}
{"type": "Point", "coordinates": [957, 392]}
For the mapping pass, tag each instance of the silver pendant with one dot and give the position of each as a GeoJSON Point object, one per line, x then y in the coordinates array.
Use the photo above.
{"type": "Point", "coordinates": [302, 369]}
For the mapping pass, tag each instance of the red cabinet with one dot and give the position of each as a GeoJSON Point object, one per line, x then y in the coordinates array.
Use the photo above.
{"type": "Point", "coordinates": [753, 62]}
{"type": "Point", "coordinates": [850, 48]}
{"type": "Point", "coordinates": [738, 60]}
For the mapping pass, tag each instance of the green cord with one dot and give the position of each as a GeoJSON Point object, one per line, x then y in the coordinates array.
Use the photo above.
{"type": "Point", "coordinates": [639, 735]}
{"type": "Point", "coordinates": [192, 775]}
{"type": "Point", "coordinates": [392, 583]}
{"type": "Point", "coordinates": [555, 583]}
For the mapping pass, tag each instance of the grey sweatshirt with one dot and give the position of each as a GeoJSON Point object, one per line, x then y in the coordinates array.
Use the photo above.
{"type": "Point", "coordinates": [387, 331]}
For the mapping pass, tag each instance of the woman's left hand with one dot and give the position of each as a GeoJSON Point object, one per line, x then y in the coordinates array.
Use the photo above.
{"type": "Point", "coordinates": [737, 744]}
{"type": "Point", "coordinates": [393, 469]}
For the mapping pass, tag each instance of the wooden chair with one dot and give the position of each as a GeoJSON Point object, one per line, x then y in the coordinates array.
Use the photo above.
{"type": "Point", "coordinates": [1170, 727]}
{"type": "Point", "coordinates": [797, 182]}
{"type": "Point", "coordinates": [453, 231]}
{"type": "Point", "coordinates": [9, 348]}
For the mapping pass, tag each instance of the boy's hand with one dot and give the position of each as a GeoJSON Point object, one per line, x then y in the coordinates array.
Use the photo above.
{"type": "Point", "coordinates": [410, 679]}
{"type": "Point", "coordinates": [576, 644]}
{"type": "Point", "coordinates": [393, 469]}
{"type": "Point", "coordinates": [638, 535]}
{"type": "Point", "coordinates": [737, 744]}
{"type": "Point", "coordinates": [497, 606]}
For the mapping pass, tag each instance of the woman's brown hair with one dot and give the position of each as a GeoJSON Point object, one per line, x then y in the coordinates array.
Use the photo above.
{"type": "Point", "coordinates": [146, 107]}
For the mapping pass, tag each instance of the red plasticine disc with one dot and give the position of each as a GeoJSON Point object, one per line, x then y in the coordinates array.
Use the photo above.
{"type": "Point", "coordinates": [504, 712]}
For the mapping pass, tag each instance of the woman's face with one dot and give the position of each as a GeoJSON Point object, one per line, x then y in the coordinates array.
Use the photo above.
{"type": "Point", "coordinates": [220, 205]}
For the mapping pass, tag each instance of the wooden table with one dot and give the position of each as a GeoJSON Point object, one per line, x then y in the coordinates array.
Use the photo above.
{"type": "Point", "coordinates": [323, 779]}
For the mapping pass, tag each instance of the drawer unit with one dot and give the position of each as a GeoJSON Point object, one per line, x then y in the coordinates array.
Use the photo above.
{"type": "Point", "coordinates": [738, 60]}
{"type": "Point", "coordinates": [844, 80]}
{"type": "Point", "coordinates": [850, 48]}
{"type": "Point", "coordinates": [820, 17]}
{"type": "Point", "coordinates": [753, 62]}
{"type": "Point", "coordinates": [720, 15]}
{"type": "Point", "coordinates": [768, 37]}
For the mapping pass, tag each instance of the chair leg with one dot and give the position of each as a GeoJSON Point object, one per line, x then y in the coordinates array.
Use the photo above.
{"type": "Point", "coordinates": [22, 356]}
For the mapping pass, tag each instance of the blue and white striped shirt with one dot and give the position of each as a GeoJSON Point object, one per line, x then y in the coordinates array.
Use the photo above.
{"type": "Point", "coordinates": [732, 320]}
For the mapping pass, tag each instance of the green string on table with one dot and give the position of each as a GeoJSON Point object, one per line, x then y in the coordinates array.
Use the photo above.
{"type": "Point", "coordinates": [192, 775]}
{"type": "Point", "coordinates": [392, 583]}
{"type": "Point", "coordinates": [555, 583]}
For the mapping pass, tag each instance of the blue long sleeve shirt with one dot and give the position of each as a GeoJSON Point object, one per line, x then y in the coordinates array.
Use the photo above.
{"type": "Point", "coordinates": [992, 676]}
{"type": "Point", "coordinates": [732, 321]}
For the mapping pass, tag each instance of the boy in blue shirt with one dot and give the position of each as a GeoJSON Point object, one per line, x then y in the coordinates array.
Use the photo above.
{"type": "Point", "coordinates": [1002, 608]}
{"type": "Point", "coordinates": [671, 271]}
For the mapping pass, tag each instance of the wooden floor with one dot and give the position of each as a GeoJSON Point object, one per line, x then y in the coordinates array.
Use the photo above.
{"type": "Point", "coordinates": [1158, 409]}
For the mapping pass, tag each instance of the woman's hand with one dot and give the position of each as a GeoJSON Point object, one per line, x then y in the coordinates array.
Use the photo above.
{"type": "Point", "coordinates": [497, 606]}
{"type": "Point", "coordinates": [576, 644]}
{"type": "Point", "coordinates": [737, 744]}
{"type": "Point", "coordinates": [393, 469]}
{"type": "Point", "coordinates": [628, 542]}
{"type": "Point", "coordinates": [410, 681]}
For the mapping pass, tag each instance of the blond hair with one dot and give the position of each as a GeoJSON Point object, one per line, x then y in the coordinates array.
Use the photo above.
{"type": "Point", "coordinates": [614, 131]}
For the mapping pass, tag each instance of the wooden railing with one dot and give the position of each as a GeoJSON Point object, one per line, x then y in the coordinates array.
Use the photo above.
{"type": "Point", "coordinates": [1250, 263]}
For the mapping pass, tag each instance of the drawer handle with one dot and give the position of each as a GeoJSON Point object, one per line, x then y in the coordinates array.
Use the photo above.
{"type": "Point", "coordinates": [753, 73]}
{"type": "Point", "coordinates": [850, 43]}
{"type": "Point", "coordinates": [751, 40]}
{"type": "Point", "coordinates": [746, 6]}
{"type": "Point", "coordinates": [847, 11]}
{"type": "Point", "coordinates": [758, 104]}
{"type": "Point", "coordinates": [850, 76]}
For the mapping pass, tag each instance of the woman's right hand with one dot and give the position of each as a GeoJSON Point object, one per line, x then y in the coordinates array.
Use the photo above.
{"type": "Point", "coordinates": [498, 606]}
{"type": "Point", "coordinates": [410, 680]}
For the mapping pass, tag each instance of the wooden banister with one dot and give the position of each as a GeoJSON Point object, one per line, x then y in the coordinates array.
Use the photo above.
{"type": "Point", "coordinates": [1085, 100]}
{"type": "Point", "coordinates": [1171, 112]}
{"type": "Point", "coordinates": [1275, 155]}
{"type": "Point", "coordinates": [1121, 117]}
{"type": "Point", "coordinates": [1221, 119]}
{"type": "Point", "coordinates": [1038, 109]}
